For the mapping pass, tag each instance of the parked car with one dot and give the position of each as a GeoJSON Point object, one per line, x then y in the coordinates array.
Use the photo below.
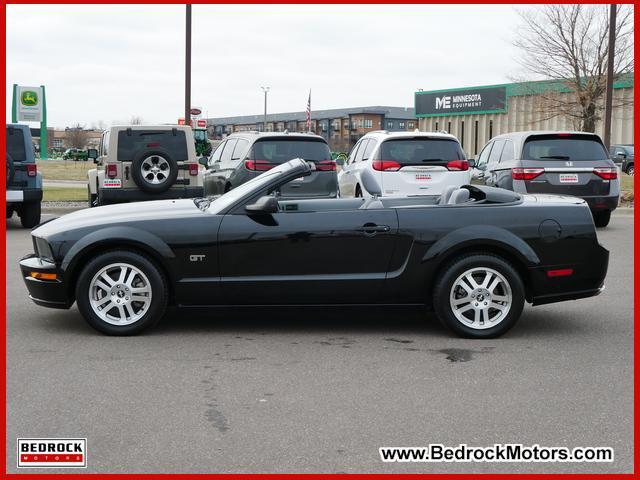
{"type": "Point", "coordinates": [23, 181]}
{"type": "Point", "coordinates": [562, 163]}
{"type": "Point", "coordinates": [244, 156]}
{"type": "Point", "coordinates": [75, 154]}
{"type": "Point", "coordinates": [405, 163]}
{"type": "Point", "coordinates": [144, 162]}
{"type": "Point", "coordinates": [474, 255]}
{"type": "Point", "coordinates": [622, 155]}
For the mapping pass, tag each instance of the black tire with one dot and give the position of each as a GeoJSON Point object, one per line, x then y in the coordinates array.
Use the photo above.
{"type": "Point", "coordinates": [358, 192]}
{"type": "Point", "coordinates": [445, 283]}
{"type": "Point", "coordinates": [630, 170]}
{"type": "Point", "coordinates": [9, 212]}
{"type": "Point", "coordinates": [157, 281]}
{"type": "Point", "coordinates": [161, 157]}
{"type": "Point", "coordinates": [602, 219]}
{"type": "Point", "coordinates": [30, 214]}
{"type": "Point", "coordinates": [92, 197]}
{"type": "Point", "coordinates": [11, 171]}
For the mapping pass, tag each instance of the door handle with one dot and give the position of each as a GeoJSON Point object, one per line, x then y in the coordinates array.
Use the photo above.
{"type": "Point", "coordinates": [371, 229]}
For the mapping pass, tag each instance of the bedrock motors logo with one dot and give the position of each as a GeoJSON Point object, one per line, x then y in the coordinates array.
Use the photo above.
{"type": "Point", "coordinates": [52, 452]}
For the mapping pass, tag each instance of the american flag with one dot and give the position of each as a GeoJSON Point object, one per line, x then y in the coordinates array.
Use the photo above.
{"type": "Point", "coordinates": [309, 113]}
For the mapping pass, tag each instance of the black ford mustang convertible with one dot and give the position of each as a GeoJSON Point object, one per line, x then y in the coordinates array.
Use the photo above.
{"type": "Point", "coordinates": [474, 255]}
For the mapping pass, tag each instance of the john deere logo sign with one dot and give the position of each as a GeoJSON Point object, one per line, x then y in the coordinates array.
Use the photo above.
{"type": "Point", "coordinates": [29, 98]}
{"type": "Point", "coordinates": [28, 102]}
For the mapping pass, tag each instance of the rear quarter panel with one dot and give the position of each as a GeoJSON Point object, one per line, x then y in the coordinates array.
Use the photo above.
{"type": "Point", "coordinates": [431, 237]}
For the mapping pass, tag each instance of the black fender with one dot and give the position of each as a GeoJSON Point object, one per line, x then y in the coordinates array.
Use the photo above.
{"type": "Point", "coordinates": [481, 235]}
{"type": "Point", "coordinates": [114, 236]}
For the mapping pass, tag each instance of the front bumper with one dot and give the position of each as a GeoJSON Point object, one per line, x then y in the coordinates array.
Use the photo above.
{"type": "Point", "coordinates": [47, 293]}
{"type": "Point", "coordinates": [116, 195]}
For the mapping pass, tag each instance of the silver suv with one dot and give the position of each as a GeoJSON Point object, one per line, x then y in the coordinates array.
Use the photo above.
{"type": "Point", "coordinates": [243, 156]}
{"type": "Point", "coordinates": [561, 163]}
{"type": "Point", "coordinates": [142, 162]}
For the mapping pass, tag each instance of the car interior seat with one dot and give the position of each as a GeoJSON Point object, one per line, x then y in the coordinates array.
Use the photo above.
{"type": "Point", "coordinates": [371, 185]}
{"type": "Point", "coordinates": [446, 194]}
{"type": "Point", "coordinates": [461, 195]}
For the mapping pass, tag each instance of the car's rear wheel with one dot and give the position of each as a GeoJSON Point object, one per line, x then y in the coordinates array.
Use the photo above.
{"type": "Point", "coordinates": [93, 198]}
{"type": "Point", "coordinates": [479, 296]}
{"type": "Point", "coordinates": [121, 293]}
{"type": "Point", "coordinates": [602, 218]}
{"type": "Point", "coordinates": [30, 214]}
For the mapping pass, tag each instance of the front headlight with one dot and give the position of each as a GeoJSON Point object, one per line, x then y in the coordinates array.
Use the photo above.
{"type": "Point", "coordinates": [43, 249]}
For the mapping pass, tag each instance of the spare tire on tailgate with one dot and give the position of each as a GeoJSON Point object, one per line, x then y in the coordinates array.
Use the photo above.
{"type": "Point", "coordinates": [11, 171]}
{"type": "Point", "coordinates": [154, 170]}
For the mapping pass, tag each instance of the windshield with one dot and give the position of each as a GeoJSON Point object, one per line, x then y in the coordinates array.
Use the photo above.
{"type": "Point", "coordinates": [280, 150]}
{"type": "Point", "coordinates": [570, 147]}
{"type": "Point", "coordinates": [419, 150]}
{"type": "Point", "coordinates": [219, 204]}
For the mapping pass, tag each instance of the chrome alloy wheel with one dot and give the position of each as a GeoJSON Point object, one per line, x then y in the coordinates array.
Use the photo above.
{"type": "Point", "coordinates": [155, 169]}
{"type": "Point", "coordinates": [120, 294]}
{"type": "Point", "coordinates": [480, 298]}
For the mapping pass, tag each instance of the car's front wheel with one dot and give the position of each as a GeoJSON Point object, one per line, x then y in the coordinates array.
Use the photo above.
{"type": "Point", "coordinates": [630, 170]}
{"type": "Point", "coordinates": [121, 293]}
{"type": "Point", "coordinates": [479, 296]}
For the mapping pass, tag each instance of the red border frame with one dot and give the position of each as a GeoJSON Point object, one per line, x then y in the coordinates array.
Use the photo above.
{"type": "Point", "coordinates": [460, 476]}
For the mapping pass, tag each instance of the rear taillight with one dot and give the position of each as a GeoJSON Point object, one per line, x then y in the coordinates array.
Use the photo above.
{"type": "Point", "coordinates": [32, 170]}
{"type": "Point", "coordinates": [385, 165]}
{"type": "Point", "coordinates": [526, 173]}
{"type": "Point", "coordinates": [258, 165]}
{"type": "Point", "coordinates": [458, 165]}
{"type": "Point", "coordinates": [193, 169]}
{"type": "Point", "coordinates": [326, 166]}
{"type": "Point", "coordinates": [606, 173]}
{"type": "Point", "coordinates": [112, 171]}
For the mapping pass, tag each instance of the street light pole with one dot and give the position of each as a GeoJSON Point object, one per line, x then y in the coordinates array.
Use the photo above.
{"type": "Point", "coordinates": [264, 124]}
{"type": "Point", "coordinates": [608, 105]}
{"type": "Point", "coordinates": [187, 68]}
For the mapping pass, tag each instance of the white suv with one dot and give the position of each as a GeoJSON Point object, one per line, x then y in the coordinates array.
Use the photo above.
{"type": "Point", "coordinates": [405, 163]}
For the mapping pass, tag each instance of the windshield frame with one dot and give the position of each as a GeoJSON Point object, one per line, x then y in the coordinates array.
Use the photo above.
{"type": "Point", "coordinates": [268, 180]}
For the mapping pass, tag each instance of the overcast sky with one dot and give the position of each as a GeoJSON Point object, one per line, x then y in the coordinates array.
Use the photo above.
{"type": "Point", "coordinates": [110, 62]}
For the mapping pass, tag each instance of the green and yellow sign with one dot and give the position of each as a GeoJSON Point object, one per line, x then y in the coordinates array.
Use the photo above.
{"type": "Point", "coordinates": [29, 98]}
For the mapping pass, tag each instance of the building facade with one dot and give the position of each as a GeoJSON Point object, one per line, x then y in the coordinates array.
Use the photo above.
{"type": "Point", "coordinates": [341, 127]}
{"type": "Point", "coordinates": [476, 114]}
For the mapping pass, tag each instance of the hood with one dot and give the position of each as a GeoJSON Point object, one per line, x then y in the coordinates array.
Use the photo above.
{"type": "Point", "coordinates": [119, 214]}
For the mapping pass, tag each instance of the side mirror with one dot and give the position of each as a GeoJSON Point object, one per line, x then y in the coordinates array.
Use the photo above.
{"type": "Point", "coordinates": [621, 155]}
{"type": "Point", "coordinates": [472, 163]}
{"type": "Point", "coordinates": [204, 161]}
{"type": "Point", "coordinates": [92, 153]}
{"type": "Point", "coordinates": [340, 162]}
{"type": "Point", "coordinates": [265, 205]}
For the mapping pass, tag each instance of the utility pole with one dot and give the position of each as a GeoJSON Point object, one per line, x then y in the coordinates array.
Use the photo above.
{"type": "Point", "coordinates": [187, 69]}
{"type": "Point", "coordinates": [264, 124]}
{"type": "Point", "coordinates": [608, 105]}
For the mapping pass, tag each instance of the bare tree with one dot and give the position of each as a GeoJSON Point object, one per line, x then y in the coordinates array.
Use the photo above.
{"type": "Point", "coordinates": [569, 43]}
{"type": "Point", "coordinates": [76, 136]}
{"type": "Point", "coordinates": [135, 120]}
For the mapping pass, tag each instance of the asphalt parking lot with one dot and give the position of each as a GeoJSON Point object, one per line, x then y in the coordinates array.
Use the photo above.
{"type": "Point", "coordinates": [322, 390]}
